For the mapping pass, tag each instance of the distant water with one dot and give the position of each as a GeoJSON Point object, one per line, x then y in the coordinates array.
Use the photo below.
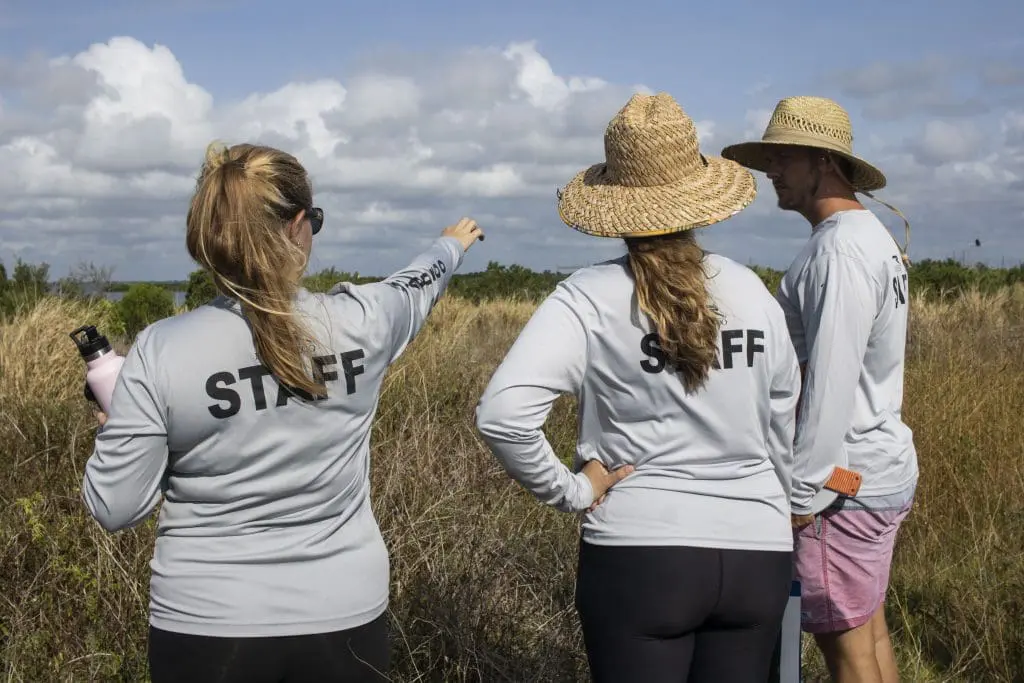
{"type": "Point", "coordinates": [179, 297]}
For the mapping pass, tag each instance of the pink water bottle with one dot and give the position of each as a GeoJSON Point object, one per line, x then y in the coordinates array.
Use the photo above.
{"type": "Point", "coordinates": [103, 364]}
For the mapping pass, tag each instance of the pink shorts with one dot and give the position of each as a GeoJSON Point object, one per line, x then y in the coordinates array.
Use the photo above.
{"type": "Point", "coordinates": [842, 560]}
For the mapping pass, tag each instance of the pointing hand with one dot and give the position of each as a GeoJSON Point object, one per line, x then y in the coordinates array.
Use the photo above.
{"type": "Point", "coordinates": [466, 231]}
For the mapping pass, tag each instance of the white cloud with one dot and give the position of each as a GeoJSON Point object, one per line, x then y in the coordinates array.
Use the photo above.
{"type": "Point", "coordinates": [398, 149]}
{"type": "Point", "coordinates": [100, 151]}
{"type": "Point", "coordinates": [538, 80]}
{"type": "Point", "coordinates": [1012, 127]}
{"type": "Point", "coordinates": [756, 121]}
{"type": "Point", "coordinates": [374, 98]}
{"type": "Point", "coordinates": [894, 90]}
{"type": "Point", "coordinates": [705, 131]}
{"type": "Point", "coordinates": [943, 142]}
{"type": "Point", "coordinates": [884, 77]}
{"type": "Point", "coordinates": [145, 102]}
{"type": "Point", "coordinates": [294, 113]}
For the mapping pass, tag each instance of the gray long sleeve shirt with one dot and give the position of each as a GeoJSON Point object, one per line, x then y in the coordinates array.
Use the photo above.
{"type": "Point", "coordinates": [266, 526]}
{"type": "Point", "coordinates": [712, 468]}
{"type": "Point", "coordinates": [846, 301]}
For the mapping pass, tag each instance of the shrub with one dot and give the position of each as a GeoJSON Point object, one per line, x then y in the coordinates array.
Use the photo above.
{"type": "Point", "coordinates": [510, 283]}
{"type": "Point", "coordinates": [144, 304]}
{"type": "Point", "coordinates": [327, 278]}
{"type": "Point", "coordinates": [201, 289]}
{"type": "Point", "coordinates": [26, 286]}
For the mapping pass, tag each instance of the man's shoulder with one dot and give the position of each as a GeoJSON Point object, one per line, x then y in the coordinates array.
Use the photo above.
{"type": "Point", "coordinates": [854, 234]}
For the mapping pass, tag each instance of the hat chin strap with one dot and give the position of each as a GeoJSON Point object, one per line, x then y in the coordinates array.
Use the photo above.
{"type": "Point", "coordinates": [905, 249]}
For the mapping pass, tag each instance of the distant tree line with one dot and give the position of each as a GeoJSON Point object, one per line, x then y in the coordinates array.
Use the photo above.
{"type": "Point", "coordinates": [145, 302]}
{"type": "Point", "coordinates": [934, 279]}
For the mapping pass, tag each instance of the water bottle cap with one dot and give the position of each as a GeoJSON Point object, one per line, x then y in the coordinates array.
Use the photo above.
{"type": "Point", "coordinates": [93, 343]}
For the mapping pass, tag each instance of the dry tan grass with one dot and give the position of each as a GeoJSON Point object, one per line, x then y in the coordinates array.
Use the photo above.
{"type": "Point", "coordinates": [482, 575]}
{"type": "Point", "coordinates": [37, 356]}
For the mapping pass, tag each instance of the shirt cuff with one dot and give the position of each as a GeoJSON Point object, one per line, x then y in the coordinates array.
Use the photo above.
{"type": "Point", "coordinates": [583, 493]}
{"type": "Point", "coordinates": [799, 511]}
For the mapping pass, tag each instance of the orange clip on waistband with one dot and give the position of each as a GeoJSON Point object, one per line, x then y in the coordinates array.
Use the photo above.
{"type": "Point", "coordinates": [844, 482]}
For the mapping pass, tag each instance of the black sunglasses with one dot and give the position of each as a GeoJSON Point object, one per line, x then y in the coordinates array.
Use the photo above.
{"type": "Point", "coordinates": [316, 218]}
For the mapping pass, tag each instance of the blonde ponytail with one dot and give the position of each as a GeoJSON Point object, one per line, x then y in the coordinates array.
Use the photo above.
{"type": "Point", "coordinates": [236, 230]}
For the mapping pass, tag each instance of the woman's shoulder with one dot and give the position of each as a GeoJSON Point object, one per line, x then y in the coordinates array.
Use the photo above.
{"type": "Point", "coordinates": [207, 321]}
{"type": "Point", "coordinates": [598, 274]}
{"type": "Point", "coordinates": [722, 269]}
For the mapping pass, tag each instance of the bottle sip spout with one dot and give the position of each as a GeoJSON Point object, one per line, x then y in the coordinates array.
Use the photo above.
{"type": "Point", "coordinates": [90, 342]}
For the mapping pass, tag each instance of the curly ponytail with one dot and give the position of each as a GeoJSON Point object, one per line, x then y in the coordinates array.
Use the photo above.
{"type": "Point", "coordinates": [671, 289]}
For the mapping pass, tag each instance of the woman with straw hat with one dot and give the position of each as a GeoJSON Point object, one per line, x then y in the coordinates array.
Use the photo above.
{"type": "Point", "coordinates": [686, 384]}
{"type": "Point", "coordinates": [846, 302]}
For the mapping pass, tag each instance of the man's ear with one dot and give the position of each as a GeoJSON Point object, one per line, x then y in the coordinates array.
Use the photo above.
{"type": "Point", "coordinates": [836, 168]}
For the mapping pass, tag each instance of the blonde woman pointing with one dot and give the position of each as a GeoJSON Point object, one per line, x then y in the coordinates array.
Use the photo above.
{"type": "Point", "coordinates": [251, 417]}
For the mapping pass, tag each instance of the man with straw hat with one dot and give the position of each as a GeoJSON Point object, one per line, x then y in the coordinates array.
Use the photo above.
{"type": "Point", "coordinates": [846, 301]}
{"type": "Point", "coordinates": [687, 384]}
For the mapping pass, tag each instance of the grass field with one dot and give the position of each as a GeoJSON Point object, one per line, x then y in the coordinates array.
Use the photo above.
{"type": "Point", "coordinates": [482, 583]}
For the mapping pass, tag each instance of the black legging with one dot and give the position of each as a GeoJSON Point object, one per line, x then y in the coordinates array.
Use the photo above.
{"type": "Point", "coordinates": [680, 614]}
{"type": "Point", "coordinates": [358, 655]}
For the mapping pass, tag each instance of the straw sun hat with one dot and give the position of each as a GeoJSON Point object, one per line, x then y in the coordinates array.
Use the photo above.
{"type": "Point", "coordinates": [811, 122]}
{"type": "Point", "coordinates": [654, 179]}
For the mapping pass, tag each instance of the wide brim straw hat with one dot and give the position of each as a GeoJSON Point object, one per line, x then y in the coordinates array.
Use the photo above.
{"type": "Point", "coordinates": [654, 180]}
{"type": "Point", "coordinates": [809, 122]}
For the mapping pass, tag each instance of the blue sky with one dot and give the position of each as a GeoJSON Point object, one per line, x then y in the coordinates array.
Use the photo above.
{"type": "Point", "coordinates": [935, 91]}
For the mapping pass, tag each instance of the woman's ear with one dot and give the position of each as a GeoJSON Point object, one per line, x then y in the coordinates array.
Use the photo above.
{"type": "Point", "coordinates": [295, 226]}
